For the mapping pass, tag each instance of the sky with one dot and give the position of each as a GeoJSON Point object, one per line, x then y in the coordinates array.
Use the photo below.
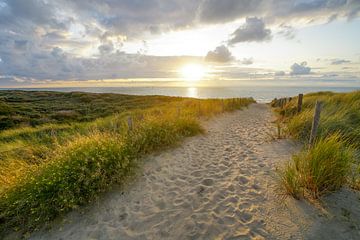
{"type": "Point", "coordinates": [109, 42]}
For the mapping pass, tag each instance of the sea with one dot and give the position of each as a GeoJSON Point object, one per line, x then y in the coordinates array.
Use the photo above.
{"type": "Point", "coordinates": [259, 90]}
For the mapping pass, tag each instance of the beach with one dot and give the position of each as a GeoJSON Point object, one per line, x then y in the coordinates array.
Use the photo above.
{"type": "Point", "coordinates": [177, 120]}
{"type": "Point", "coordinates": [221, 185]}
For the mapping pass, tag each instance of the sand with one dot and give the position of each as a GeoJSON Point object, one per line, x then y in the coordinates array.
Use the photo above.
{"type": "Point", "coordinates": [221, 185]}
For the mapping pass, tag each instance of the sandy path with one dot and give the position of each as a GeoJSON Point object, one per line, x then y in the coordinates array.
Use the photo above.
{"type": "Point", "coordinates": [215, 186]}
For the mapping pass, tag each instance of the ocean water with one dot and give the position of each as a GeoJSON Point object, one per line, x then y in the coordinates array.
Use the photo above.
{"type": "Point", "coordinates": [259, 91]}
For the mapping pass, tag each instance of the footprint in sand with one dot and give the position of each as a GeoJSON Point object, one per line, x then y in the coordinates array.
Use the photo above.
{"type": "Point", "coordinates": [242, 180]}
{"type": "Point", "coordinates": [208, 182]}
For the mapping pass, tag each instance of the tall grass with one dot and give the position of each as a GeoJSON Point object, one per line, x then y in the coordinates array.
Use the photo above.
{"type": "Point", "coordinates": [330, 163]}
{"type": "Point", "coordinates": [74, 163]}
{"type": "Point", "coordinates": [319, 170]}
{"type": "Point", "coordinates": [340, 113]}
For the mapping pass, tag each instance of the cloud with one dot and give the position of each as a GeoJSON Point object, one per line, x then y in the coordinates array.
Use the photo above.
{"type": "Point", "coordinates": [57, 52]}
{"type": "Point", "coordinates": [106, 48]}
{"type": "Point", "coordinates": [281, 11]}
{"type": "Point", "coordinates": [247, 61]}
{"type": "Point", "coordinates": [339, 61]}
{"type": "Point", "coordinates": [330, 75]}
{"type": "Point", "coordinates": [220, 55]}
{"type": "Point", "coordinates": [47, 39]}
{"type": "Point", "coordinates": [252, 31]}
{"type": "Point", "coordinates": [55, 64]}
{"type": "Point", "coordinates": [280, 73]}
{"type": "Point", "coordinates": [214, 11]}
{"type": "Point", "coordinates": [300, 69]}
{"type": "Point", "coordinates": [287, 32]}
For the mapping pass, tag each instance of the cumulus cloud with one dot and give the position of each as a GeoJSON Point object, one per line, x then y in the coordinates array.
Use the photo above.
{"type": "Point", "coordinates": [252, 31]}
{"type": "Point", "coordinates": [339, 61]}
{"type": "Point", "coordinates": [220, 55]}
{"type": "Point", "coordinates": [300, 69]}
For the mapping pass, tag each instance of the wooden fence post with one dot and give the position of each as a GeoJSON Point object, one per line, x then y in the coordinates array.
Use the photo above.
{"type": "Point", "coordinates": [178, 111]}
{"type": "Point", "coordinates": [300, 102]}
{"type": "Point", "coordinates": [274, 102]}
{"type": "Point", "coordinates": [141, 117]}
{"type": "Point", "coordinates": [130, 123]}
{"type": "Point", "coordinates": [279, 129]}
{"type": "Point", "coordinates": [199, 108]}
{"type": "Point", "coordinates": [315, 123]}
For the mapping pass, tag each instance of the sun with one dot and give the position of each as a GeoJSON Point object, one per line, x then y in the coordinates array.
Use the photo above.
{"type": "Point", "coordinates": [193, 72]}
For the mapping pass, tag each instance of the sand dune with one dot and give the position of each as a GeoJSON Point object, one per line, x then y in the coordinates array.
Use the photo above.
{"type": "Point", "coordinates": [220, 185]}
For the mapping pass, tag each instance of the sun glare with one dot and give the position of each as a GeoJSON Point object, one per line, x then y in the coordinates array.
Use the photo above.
{"type": "Point", "coordinates": [193, 72]}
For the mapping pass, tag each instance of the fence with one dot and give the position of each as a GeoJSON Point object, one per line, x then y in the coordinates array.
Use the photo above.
{"type": "Point", "coordinates": [282, 102]}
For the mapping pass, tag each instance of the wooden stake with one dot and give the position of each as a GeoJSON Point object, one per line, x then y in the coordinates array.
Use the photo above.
{"type": "Point", "coordinates": [274, 102]}
{"type": "Point", "coordinates": [199, 108]}
{"type": "Point", "coordinates": [300, 102]}
{"type": "Point", "coordinates": [178, 111]}
{"type": "Point", "coordinates": [315, 123]}
{"type": "Point", "coordinates": [279, 129]}
{"type": "Point", "coordinates": [130, 123]}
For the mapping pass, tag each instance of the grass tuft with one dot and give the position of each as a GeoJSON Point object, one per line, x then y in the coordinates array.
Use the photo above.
{"type": "Point", "coordinates": [319, 170]}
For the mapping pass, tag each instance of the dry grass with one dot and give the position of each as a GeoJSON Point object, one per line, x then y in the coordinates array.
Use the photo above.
{"type": "Point", "coordinates": [63, 166]}
{"type": "Point", "coordinates": [334, 160]}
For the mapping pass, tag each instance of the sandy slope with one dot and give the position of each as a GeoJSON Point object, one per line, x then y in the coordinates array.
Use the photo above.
{"type": "Point", "coordinates": [216, 186]}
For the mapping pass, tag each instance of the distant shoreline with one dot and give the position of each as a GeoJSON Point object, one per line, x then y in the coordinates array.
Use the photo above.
{"type": "Point", "coordinates": [262, 94]}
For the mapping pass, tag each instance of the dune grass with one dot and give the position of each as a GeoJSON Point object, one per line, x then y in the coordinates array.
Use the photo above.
{"type": "Point", "coordinates": [321, 169]}
{"type": "Point", "coordinates": [333, 160]}
{"type": "Point", "coordinates": [340, 114]}
{"type": "Point", "coordinates": [51, 169]}
{"type": "Point", "coordinates": [34, 108]}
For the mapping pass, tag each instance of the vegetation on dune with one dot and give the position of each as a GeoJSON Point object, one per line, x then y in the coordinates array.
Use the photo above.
{"type": "Point", "coordinates": [333, 160]}
{"type": "Point", "coordinates": [319, 170]}
{"type": "Point", "coordinates": [33, 108]}
{"type": "Point", "coordinates": [50, 169]}
{"type": "Point", "coordinates": [340, 114]}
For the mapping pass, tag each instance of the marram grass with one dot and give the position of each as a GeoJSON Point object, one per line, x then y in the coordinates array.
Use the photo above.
{"type": "Point", "coordinates": [321, 169]}
{"type": "Point", "coordinates": [63, 166]}
{"type": "Point", "coordinates": [334, 160]}
{"type": "Point", "coordinates": [340, 114]}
